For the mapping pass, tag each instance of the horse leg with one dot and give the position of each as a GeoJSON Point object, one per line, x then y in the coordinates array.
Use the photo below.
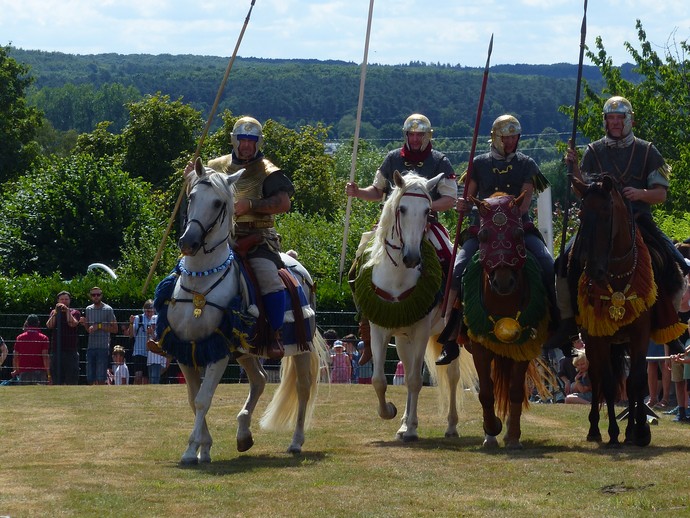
{"type": "Point", "coordinates": [452, 373]}
{"type": "Point", "coordinates": [379, 342]}
{"type": "Point", "coordinates": [517, 399]}
{"type": "Point", "coordinates": [257, 383]}
{"type": "Point", "coordinates": [304, 381]}
{"type": "Point", "coordinates": [598, 352]}
{"type": "Point", "coordinates": [200, 397]}
{"type": "Point", "coordinates": [412, 357]}
{"type": "Point", "coordinates": [491, 423]}
{"type": "Point", "coordinates": [641, 435]}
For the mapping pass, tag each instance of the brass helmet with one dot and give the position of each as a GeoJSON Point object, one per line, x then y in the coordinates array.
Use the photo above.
{"type": "Point", "coordinates": [618, 104]}
{"type": "Point", "coordinates": [504, 126]}
{"type": "Point", "coordinates": [418, 123]}
{"type": "Point", "coordinates": [247, 128]}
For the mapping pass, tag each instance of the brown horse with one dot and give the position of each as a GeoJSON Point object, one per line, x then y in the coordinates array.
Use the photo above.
{"type": "Point", "coordinates": [616, 291]}
{"type": "Point", "coordinates": [506, 316]}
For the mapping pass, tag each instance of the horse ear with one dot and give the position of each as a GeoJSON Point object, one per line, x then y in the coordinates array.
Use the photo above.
{"type": "Point", "coordinates": [234, 177]}
{"type": "Point", "coordinates": [430, 184]}
{"type": "Point", "coordinates": [199, 167]}
{"type": "Point", "coordinates": [398, 179]}
{"type": "Point", "coordinates": [479, 203]}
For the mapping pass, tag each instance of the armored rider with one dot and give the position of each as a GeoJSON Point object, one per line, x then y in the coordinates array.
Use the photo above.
{"type": "Point", "coordinates": [643, 174]}
{"type": "Point", "coordinates": [416, 156]}
{"type": "Point", "coordinates": [261, 192]}
{"type": "Point", "coordinates": [502, 169]}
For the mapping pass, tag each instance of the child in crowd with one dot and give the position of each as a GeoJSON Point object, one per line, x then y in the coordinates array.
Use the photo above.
{"type": "Point", "coordinates": [119, 375]}
{"type": "Point", "coordinates": [340, 364]}
{"type": "Point", "coordinates": [581, 387]}
{"type": "Point", "coordinates": [399, 376]}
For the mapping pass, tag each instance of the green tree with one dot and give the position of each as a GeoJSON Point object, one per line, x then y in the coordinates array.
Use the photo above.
{"type": "Point", "coordinates": [661, 100]}
{"type": "Point", "coordinates": [68, 213]}
{"type": "Point", "coordinates": [18, 121]}
{"type": "Point", "coordinates": [158, 132]}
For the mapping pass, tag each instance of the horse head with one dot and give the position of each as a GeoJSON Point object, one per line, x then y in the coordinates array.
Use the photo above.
{"type": "Point", "coordinates": [210, 209]}
{"type": "Point", "coordinates": [604, 230]}
{"type": "Point", "coordinates": [501, 238]}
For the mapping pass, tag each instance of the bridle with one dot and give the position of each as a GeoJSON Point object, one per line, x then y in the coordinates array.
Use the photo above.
{"type": "Point", "coordinates": [219, 219]}
{"type": "Point", "coordinates": [397, 231]}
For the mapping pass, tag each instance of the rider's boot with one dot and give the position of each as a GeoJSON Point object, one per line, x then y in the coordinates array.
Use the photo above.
{"type": "Point", "coordinates": [365, 335]}
{"type": "Point", "coordinates": [274, 305]}
{"type": "Point", "coordinates": [451, 333]}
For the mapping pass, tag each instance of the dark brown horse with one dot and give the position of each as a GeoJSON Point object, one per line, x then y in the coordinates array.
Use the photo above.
{"type": "Point", "coordinates": [616, 290]}
{"type": "Point", "coordinates": [505, 313]}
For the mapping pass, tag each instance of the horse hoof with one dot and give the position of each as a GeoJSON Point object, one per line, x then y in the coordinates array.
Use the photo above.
{"type": "Point", "coordinates": [514, 445]}
{"type": "Point", "coordinates": [490, 442]}
{"type": "Point", "coordinates": [451, 435]}
{"type": "Point", "coordinates": [410, 438]}
{"type": "Point", "coordinates": [390, 412]}
{"type": "Point", "coordinates": [613, 445]}
{"type": "Point", "coordinates": [594, 438]}
{"type": "Point", "coordinates": [189, 461]}
{"type": "Point", "coordinates": [245, 444]}
{"type": "Point", "coordinates": [294, 449]}
{"type": "Point", "coordinates": [205, 458]}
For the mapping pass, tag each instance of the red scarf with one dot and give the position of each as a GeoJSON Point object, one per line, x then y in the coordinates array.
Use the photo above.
{"type": "Point", "coordinates": [415, 157]}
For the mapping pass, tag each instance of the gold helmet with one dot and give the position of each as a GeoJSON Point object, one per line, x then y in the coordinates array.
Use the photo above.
{"type": "Point", "coordinates": [247, 128]}
{"type": "Point", "coordinates": [618, 104]}
{"type": "Point", "coordinates": [504, 126]}
{"type": "Point", "coordinates": [418, 123]}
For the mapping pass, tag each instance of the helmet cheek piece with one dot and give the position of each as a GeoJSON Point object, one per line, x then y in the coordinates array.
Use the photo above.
{"type": "Point", "coordinates": [247, 128]}
{"type": "Point", "coordinates": [418, 123]}
{"type": "Point", "coordinates": [504, 126]}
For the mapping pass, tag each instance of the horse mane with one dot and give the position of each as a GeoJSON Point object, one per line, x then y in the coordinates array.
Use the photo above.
{"type": "Point", "coordinates": [388, 214]}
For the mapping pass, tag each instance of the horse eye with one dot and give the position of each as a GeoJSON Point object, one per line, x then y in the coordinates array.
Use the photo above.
{"type": "Point", "coordinates": [403, 210]}
{"type": "Point", "coordinates": [217, 204]}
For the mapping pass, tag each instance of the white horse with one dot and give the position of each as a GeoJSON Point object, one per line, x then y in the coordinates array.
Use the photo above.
{"type": "Point", "coordinates": [397, 289]}
{"type": "Point", "coordinates": [206, 282]}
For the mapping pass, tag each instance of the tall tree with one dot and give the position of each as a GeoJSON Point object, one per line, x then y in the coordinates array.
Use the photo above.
{"type": "Point", "coordinates": [18, 121]}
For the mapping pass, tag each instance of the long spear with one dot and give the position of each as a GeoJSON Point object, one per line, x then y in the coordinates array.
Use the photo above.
{"type": "Point", "coordinates": [573, 136]}
{"type": "Point", "coordinates": [353, 163]}
{"type": "Point", "coordinates": [198, 149]}
{"type": "Point", "coordinates": [470, 167]}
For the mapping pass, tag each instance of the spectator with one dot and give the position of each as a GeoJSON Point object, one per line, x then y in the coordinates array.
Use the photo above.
{"type": "Point", "coordinates": [566, 369]}
{"type": "Point", "coordinates": [119, 375]}
{"type": "Point", "coordinates": [399, 376]}
{"type": "Point", "coordinates": [366, 371]}
{"type": "Point", "coordinates": [653, 367]}
{"type": "Point", "coordinates": [30, 359]}
{"type": "Point", "coordinates": [340, 364]}
{"type": "Point", "coordinates": [139, 330]}
{"type": "Point", "coordinates": [99, 322]}
{"type": "Point", "coordinates": [3, 351]}
{"type": "Point", "coordinates": [581, 388]}
{"type": "Point", "coordinates": [64, 341]}
{"type": "Point", "coordinates": [679, 372]}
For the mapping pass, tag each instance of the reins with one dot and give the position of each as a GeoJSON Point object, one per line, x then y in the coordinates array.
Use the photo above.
{"type": "Point", "coordinates": [396, 230]}
{"type": "Point", "coordinates": [219, 219]}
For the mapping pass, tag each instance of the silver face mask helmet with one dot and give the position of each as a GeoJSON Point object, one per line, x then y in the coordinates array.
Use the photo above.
{"type": "Point", "coordinates": [418, 123]}
{"type": "Point", "coordinates": [618, 104]}
{"type": "Point", "coordinates": [504, 126]}
{"type": "Point", "coordinates": [247, 128]}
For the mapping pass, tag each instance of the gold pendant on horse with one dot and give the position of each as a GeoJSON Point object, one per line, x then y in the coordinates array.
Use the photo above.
{"type": "Point", "coordinates": [199, 302]}
{"type": "Point", "coordinates": [616, 310]}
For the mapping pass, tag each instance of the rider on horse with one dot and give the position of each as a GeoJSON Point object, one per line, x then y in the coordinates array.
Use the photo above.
{"type": "Point", "coordinates": [261, 192]}
{"type": "Point", "coordinates": [643, 176]}
{"type": "Point", "coordinates": [502, 169]}
{"type": "Point", "coordinates": [415, 156]}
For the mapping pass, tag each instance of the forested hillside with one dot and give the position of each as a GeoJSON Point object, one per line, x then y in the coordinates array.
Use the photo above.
{"type": "Point", "coordinates": [297, 92]}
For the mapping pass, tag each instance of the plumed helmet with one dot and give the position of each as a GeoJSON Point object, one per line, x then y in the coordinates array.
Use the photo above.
{"type": "Point", "coordinates": [618, 104]}
{"type": "Point", "coordinates": [247, 128]}
{"type": "Point", "coordinates": [418, 123]}
{"type": "Point", "coordinates": [504, 126]}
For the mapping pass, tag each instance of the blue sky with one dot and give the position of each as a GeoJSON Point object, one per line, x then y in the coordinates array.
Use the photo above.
{"type": "Point", "coordinates": [446, 31]}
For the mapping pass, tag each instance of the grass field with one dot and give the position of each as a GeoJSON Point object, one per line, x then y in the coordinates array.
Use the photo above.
{"type": "Point", "coordinates": [114, 451]}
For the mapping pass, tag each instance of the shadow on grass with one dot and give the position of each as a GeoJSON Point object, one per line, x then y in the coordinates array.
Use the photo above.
{"type": "Point", "coordinates": [536, 448]}
{"type": "Point", "coordinates": [249, 463]}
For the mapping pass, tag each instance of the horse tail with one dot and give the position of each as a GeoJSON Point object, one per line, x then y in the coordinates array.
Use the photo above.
{"type": "Point", "coordinates": [460, 373]}
{"type": "Point", "coordinates": [538, 377]}
{"type": "Point", "coordinates": [282, 412]}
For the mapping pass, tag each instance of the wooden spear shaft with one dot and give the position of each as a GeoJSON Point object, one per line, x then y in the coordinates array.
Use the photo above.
{"type": "Point", "coordinates": [583, 33]}
{"type": "Point", "coordinates": [353, 162]}
{"type": "Point", "coordinates": [470, 167]}
{"type": "Point", "coordinates": [161, 246]}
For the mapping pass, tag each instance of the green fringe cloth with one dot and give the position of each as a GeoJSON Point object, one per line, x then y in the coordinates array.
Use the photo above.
{"type": "Point", "coordinates": [533, 319]}
{"type": "Point", "coordinates": [404, 313]}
